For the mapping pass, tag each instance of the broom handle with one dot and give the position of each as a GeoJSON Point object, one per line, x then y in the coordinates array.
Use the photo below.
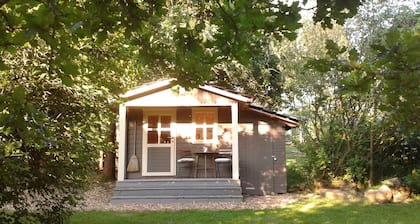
{"type": "Point", "coordinates": [135, 136]}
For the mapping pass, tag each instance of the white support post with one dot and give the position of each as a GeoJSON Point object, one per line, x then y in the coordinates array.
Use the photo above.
{"type": "Point", "coordinates": [235, 142]}
{"type": "Point", "coordinates": [122, 142]}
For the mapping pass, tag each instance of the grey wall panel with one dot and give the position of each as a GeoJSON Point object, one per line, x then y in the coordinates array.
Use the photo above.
{"type": "Point", "coordinates": [158, 159]}
{"type": "Point", "coordinates": [261, 154]}
{"type": "Point", "coordinates": [134, 116]}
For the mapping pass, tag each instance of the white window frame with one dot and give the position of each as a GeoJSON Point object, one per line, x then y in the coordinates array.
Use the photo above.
{"type": "Point", "coordinates": [205, 126]}
{"type": "Point", "coordinates": [146, 145]}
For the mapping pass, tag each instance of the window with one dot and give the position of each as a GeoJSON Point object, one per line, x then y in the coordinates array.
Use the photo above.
{"type": "Point", "coordinates": [159, 129]}
{"type": "Point", "coordinates": [205, 125]}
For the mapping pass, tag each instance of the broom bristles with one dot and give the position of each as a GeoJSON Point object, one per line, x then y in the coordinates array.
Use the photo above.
{"type": "Point", "coordinates": [133, 164]}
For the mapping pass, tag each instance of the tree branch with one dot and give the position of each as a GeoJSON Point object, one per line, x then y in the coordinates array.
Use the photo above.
{"type": "Point", "coordinates": [3, 2]}
{"type": "Point", "coordinates": [235, 27]}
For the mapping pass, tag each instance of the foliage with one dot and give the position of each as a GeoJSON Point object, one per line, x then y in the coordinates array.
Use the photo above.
{"type": "Point", "coordinates": [55, 111]}
{"type": "Point", "coordinates": [50, 134]}
{"type": "Point", "coordinates": [373, 20]}
{"type": "Point", "coordinates": [63, 64]}
{"type": "Point", "coordinates": [385, 89]}
{"type": "Point", "coordinates": [296, 174]}
{"type": "Point", "coordinates": [413, 181]}
{"type": "Point", "coordinates": [306, 211]}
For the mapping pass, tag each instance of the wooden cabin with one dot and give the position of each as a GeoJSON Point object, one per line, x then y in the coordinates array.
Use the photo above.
{"type": "Point", "coordinates": [199, 145]}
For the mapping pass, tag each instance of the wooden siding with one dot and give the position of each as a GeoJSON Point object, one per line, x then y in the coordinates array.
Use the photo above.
{"type": "Point", "coordinates": [183, 143]}
{"type": "Point", "coordinates": [261, 139]}
{"type": "Point", "coordinates": [134, 116]}
{"type": "Point", "coordinates": [261, 154]}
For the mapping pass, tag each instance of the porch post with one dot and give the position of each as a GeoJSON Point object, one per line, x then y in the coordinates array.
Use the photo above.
{"type": "Point", "coordinates": [122, 142]}
{"type": "Point", "coordinates": [235, 143]}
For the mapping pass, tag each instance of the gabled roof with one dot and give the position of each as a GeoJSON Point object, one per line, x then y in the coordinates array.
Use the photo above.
{"type": "Point", "coordinates": [147, 88]}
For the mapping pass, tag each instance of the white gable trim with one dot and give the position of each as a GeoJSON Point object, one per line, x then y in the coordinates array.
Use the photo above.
{"type": "Point", "coordinates": [226, 94]}
{"type": "Point", "coordinates": [147, 88]}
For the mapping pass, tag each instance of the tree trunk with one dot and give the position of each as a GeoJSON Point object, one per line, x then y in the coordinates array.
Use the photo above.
{"type": "Point", "coordinates": [371, 158]}
{"type": "Point", "coordinates": [109, 157]}
{"type": "Point", "coordinates": [109, 165]}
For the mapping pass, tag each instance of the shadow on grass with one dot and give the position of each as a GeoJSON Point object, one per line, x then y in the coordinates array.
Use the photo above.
{"type": "Point", "coordinates": [308, 211]}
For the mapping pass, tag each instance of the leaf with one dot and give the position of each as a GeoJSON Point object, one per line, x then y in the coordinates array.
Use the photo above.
{"type": "Point", "coordinates": [392, 37]}
{"type": "Point", "coordinates": [20, 38]}
{"type": "Point", "coordinates": [353, 55]}
{"type": "Point", "coordinates": [333, 48]}
{"type": "Point", "coordinates": [3, 66]}
{"type": "Point", "coordinates": [67, 80]}
{"type": "Point", "coordinates": [19, 95]}
{"type": "Point", "coordinates": [70, 68]}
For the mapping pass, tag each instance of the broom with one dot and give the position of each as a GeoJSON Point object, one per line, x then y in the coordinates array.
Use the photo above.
{"type": "Point", "coordinates": [133, 164]}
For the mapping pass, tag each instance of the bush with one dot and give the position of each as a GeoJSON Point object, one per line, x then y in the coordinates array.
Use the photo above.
{"type": "Point", "coordinates": [412, 181]}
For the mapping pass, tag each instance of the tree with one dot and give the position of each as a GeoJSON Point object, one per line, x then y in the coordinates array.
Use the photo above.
{"type": "Point", "coordinates": [386, 73]}
{"type": "Point", "coordinates": [64, 63]}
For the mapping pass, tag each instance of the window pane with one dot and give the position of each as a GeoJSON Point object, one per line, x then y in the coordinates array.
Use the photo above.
{"type": "Point", "coordinates": [209, 134]}
{"type": "Point", "coordinates": [199, 134]}
{"type": "Point", "coordinates": [165, 137]}
{"type": "Point", "coordinates": [165, 121]}
{"type": "Point", "coordinates": [153, 121]}
{"type": "Point", "coordinates": [199, 118]}
{"type": "Point", "coordinates": [152, 137]}
{"type": "Point", "coordinates": [209, 118]}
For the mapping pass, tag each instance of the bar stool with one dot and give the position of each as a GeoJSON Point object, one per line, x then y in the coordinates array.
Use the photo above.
{"type": "Point", "coordinates": [185, 162]}
{"type": "Point", "coordinates": [225, 157]}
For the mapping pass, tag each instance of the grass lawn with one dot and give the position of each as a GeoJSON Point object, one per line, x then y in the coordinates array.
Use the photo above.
{"type": "Point", "coordinates": [308, 211]}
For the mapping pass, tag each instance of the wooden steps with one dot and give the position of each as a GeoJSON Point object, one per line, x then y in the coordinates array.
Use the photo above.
{"type": "Point", "coordinates": [177, 191]}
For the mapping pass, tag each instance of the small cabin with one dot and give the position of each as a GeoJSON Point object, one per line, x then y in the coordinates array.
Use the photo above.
{"type": "Point", "coordinates": [199, 145]}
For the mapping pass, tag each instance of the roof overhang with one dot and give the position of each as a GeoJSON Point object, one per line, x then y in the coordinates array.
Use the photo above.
{"type": "Point", "coordinates": [228, 94]}
{"type": "Point", "coordinates": [149, 87]}
{"type": "Point", "coordinates": [288, 120]}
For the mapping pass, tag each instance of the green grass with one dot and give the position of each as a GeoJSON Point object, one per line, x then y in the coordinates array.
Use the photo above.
{"type": "Point", "coordinates": [309, 211]}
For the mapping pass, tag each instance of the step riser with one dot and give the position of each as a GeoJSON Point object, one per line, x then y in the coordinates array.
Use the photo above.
{"type": "Point", "coordinates": [151, 192]}
{"type": "Point", "coordinates": [175, 201]}
{"type": "Point", "coordinates": [179, 191]}
{"type": "Point", "coordinates": [145, 184]}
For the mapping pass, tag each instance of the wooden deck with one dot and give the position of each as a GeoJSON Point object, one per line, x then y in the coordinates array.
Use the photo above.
{"type": "Point", "coordinates": [177, 191]}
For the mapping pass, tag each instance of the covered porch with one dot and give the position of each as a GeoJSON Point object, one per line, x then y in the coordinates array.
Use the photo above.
{"type": "Point", "coordinates": [168, 132]}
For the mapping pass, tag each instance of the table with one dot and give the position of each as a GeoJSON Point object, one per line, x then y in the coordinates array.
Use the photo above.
{"type": "Point", "coordinates": [205, 155]}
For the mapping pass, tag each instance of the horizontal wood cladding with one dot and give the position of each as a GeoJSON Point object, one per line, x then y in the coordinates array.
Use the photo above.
{"type": "Point", "coordinates": [184, 115]}
{"type": "Point", "coordinates": [262, 157]}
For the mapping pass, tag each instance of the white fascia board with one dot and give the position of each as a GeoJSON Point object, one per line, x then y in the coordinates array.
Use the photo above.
{"type": "Point", "coordinates": [290, 122]}
{"type": "Point", "coordinates": [226, 94]}
{"type": "Point", "coordinates": [147, 88]}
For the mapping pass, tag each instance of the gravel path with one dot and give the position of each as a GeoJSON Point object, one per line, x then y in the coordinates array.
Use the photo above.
{"type": "Point", "coordinates": [99, 197]}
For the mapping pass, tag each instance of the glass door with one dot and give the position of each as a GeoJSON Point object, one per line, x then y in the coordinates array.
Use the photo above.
{"type": "Point", "coordinates": [158, 144]}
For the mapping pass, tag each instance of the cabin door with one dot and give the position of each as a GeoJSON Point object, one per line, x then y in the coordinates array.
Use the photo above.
{"type": "Point", "coordinates": [158, 144]}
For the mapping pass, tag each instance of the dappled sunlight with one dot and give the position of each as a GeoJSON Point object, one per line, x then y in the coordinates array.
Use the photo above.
{"type": "Point", "coordinates": [307, 207]}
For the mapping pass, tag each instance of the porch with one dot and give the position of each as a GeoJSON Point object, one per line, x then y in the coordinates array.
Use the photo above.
{"type": "Point", "coordinates": [198, 190]}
